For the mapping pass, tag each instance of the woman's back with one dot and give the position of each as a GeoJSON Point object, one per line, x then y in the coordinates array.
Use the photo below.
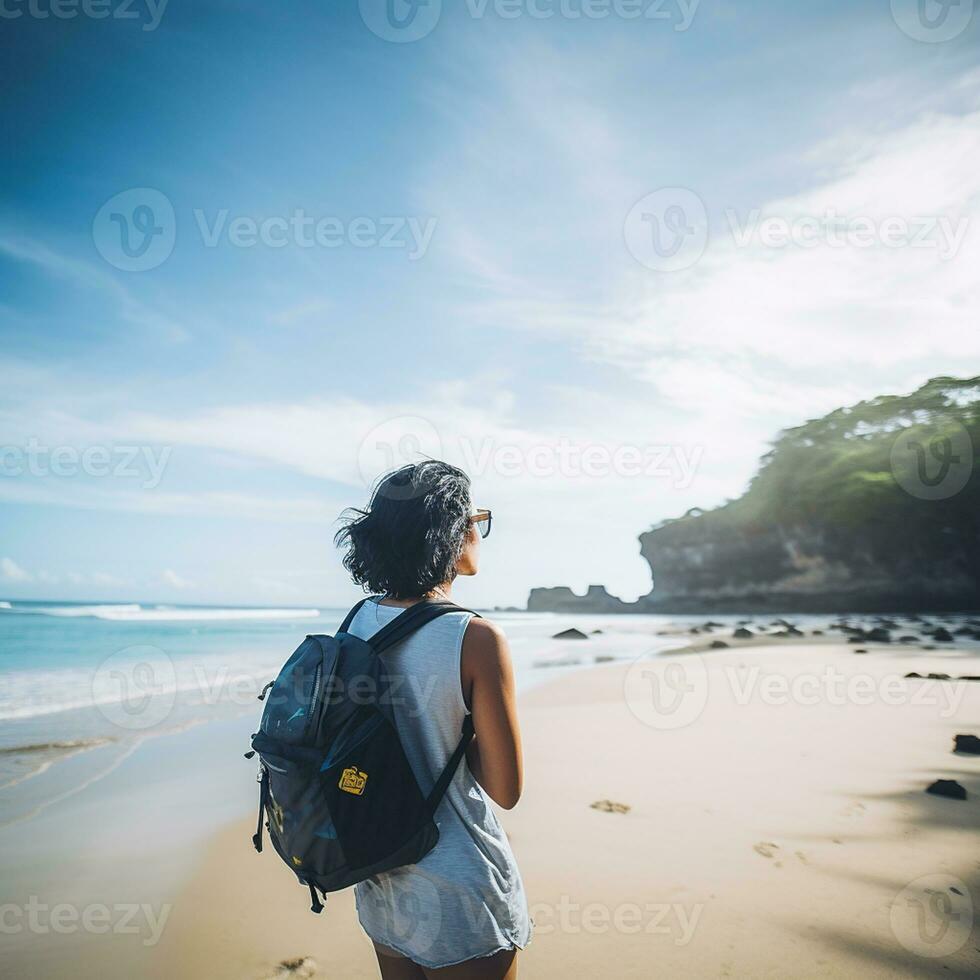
{"type": "Point", "coordinates": [465, 898]}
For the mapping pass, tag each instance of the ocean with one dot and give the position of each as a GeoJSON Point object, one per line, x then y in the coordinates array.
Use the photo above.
{"type": "Point", "coordinates": [89, 690]}
{"type": "Point", "coordinates": [84, 686]}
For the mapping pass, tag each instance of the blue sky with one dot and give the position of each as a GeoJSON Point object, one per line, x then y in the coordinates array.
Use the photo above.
{"type": "Point", "coordinates": [507, 323]}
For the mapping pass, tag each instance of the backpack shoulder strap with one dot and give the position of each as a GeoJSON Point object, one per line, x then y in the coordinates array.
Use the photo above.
{"type": "Point", "coordinates": [412, 619]}
{"type": "Point", "coordinates": [446, 776]}
{"type": "Point", "coordinates": [349, 618]}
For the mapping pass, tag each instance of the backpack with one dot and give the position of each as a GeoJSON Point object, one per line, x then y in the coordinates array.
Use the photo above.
{"type": "Point", "coordinates": [336, 791]}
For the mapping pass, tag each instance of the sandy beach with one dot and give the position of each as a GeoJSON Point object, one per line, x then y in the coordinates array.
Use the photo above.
{"type": "Point", "coordinates": [762, 813]}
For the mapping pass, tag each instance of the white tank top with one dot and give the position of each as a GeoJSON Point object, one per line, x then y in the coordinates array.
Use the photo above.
{"type": "Point", "coordinates": [465, 898]}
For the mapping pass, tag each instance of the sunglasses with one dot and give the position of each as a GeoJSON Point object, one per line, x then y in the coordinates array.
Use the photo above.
{"type": "Point", "coordinates": [484, 520]}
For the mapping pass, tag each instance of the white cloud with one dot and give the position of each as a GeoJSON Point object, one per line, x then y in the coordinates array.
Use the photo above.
{"type": "Point", "coordinates": [171, 578]}
{"type": "Point", "coordinates": [10, 571]}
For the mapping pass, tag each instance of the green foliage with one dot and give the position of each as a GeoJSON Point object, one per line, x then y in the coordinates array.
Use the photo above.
{"type": "Point", "coordinates": [839, 471]}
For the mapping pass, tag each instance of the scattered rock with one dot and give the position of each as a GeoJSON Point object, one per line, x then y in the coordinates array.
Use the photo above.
{"type": "Point", "coordinates": [719, 645]}
{"type": "Point", "coordinates": [742, 633]}
{"type": "Point", "coordinates": [913, 674]}
{"type": "Point", "coordinates": [942, 635]}
{"type": "Point", "coordinates": [947, 787]}
{"type": "Point", "coordinates": [970, 677]}
{"type": "Point", "coordinates": [713, 625]}
{"type": "Point", "coordinates": [608, 806]}
{"type": "Point", "coordinates": [969, 744]}
{"type": "Point", "coordinates": [596, 632]}
{"type": "Point", "coordinates": [817, 632]}
{"type": "Point", "coordinates": [572, 634]}
{"type": "Point", "coordinates": [938, 677]}
{"type": "Point", "coordinates": [604, 658]}
{"type": "Point", "coordinates": [877, 635]}
{"type": "Point", "coordinates": [862, 650]}
{"type": "Point", "coordinates": [908, 639]}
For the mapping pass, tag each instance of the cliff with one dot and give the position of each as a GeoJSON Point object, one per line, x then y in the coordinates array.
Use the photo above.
{"type": "Point", "coordinates": [874, 507]}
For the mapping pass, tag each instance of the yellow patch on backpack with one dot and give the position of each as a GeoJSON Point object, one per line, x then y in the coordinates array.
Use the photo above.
{"type": "Point", "coordinates": [353, 781]}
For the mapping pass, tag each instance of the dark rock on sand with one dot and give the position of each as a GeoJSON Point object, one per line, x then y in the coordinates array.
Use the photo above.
{"type": "Point", "coordinates": [966, 743]}
{"type": "Point", "coordinates": [572, 634]}
{"type": "Point", "coordinates": [299, 969]}
{"type": "Point", "coordinates": [817, 632]}
{"type": "Point", "coordinates": [938, 677]}
{"type": "Point", "coordinates": [908, 639]}
{"type": "Point", "coordinates": [970, 677]}
{"type": "Point", "coordinates": [942, 635]}
{"type": "Point", "coordinates": [913, 674]}
{"type": "Point", "coordinates": [862, 650]}
{"type": "Point", "coordinates": [719, 645]}
{"type": "Point", "coordinates": [743, 634]}
{"type": "Point", "coordinates": [947, 787]}
{"type": "Point", "coordinates": [879, 635]}
{"type": "Point", "coordinates": [608, 806]}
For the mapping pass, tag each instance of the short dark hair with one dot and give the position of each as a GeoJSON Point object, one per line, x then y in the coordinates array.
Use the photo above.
{"type": "Point", "coordinates": [411, 535]}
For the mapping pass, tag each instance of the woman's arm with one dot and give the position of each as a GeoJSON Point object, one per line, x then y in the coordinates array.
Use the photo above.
{"type": "Point", "coordinates": [487, 678]}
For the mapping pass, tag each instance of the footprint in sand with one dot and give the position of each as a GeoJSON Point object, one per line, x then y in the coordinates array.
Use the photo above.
{"type": "Point", "coordinates": [766, 848]}
{"type": "Point", "coordinates": [854, 810]}
{"type": "Point", "coordinates": [299, 969]}
{"type": "Point", "coordinates": [608, 806]}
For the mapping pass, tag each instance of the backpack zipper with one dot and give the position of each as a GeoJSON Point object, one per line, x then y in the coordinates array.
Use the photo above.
{"type": "Point", "coordinates": [313, 721]}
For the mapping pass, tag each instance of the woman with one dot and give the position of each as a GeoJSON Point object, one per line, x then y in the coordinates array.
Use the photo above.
{"type": "Point", "coordinates": [461, 911]}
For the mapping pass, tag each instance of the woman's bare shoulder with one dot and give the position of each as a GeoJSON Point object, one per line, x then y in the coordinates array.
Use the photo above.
{"type": "Point", "coordinates": [484, 645]}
